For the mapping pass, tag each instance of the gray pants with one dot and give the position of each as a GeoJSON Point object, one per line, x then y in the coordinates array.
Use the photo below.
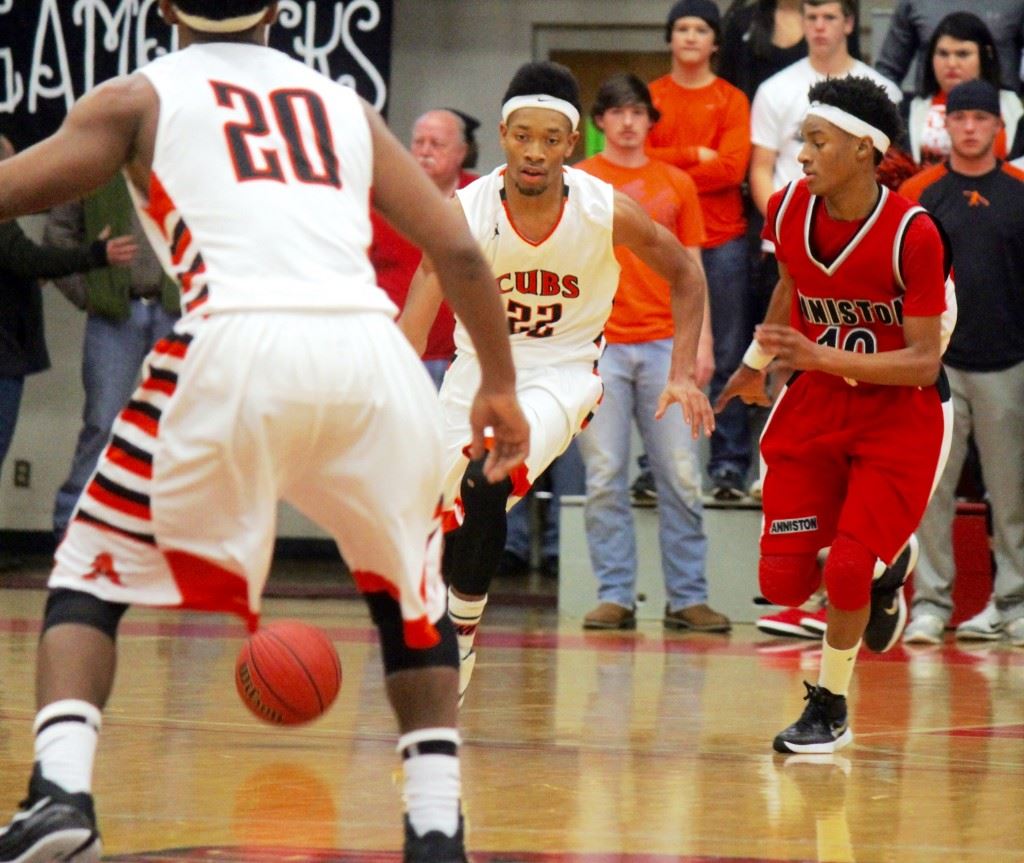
{"type": "Point", "coordinates": [992, 405]}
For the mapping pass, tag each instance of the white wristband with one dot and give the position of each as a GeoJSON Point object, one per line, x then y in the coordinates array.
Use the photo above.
{"type": "Point", "coordinates": [756, 357]}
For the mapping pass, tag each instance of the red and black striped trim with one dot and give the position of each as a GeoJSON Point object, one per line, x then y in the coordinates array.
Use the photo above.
{"type": "Point", "coordinates": [130, 457]}
{"type": "Point", "coordinates": [118, 497]}
{"type": "Point", "coordinates": [142, 415]}
{"type": "Point", "coordinates": [161, 380]}
{"type": "Point", "coordinates": [174, 344]}
{"type": "Point", "coordinates": [88, 518]}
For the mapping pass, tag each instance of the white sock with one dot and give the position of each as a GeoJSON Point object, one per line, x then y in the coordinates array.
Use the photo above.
{"type": "Point", "coordinates": [465, 614]}
{"type": "Point", "coordinates": [837, 667]}
{"type": "Point", "coordinates": [433, 787]}
{"type": "Point", "coordinates": [66, 736]}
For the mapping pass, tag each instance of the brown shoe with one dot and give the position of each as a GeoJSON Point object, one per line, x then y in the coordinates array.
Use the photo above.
{"type": "Point", "coordinates": [608, 615]}
{"type": "Point", "coordinates": [697, 618]}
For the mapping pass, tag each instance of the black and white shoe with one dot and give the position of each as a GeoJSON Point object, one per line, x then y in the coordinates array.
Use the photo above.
{"type": "Point", "coordinates": [823, 726]}
{"type": "Point", "coordinates": [52, 826]}
{"type": "Point", "coordinates": [888, 604]}
{"type": "Point", "coordinates": [433, 847]}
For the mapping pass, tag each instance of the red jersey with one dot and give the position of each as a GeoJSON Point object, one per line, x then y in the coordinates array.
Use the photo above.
{"type": "Point", "coordinates": [844, 295]}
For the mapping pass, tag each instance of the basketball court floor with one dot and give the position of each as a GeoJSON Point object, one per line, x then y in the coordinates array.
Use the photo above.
{"type": "Point", "coordinates": [645, 747]}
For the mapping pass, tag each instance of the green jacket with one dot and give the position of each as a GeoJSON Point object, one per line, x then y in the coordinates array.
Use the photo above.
{"type": "Point", "coordinates": [108, 291]}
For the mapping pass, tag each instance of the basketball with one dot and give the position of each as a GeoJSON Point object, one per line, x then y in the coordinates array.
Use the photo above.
{"type": "Point", "coordinates": [288, 672]}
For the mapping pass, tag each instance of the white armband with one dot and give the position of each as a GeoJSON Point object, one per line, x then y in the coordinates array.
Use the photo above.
{"type": "Point", "coordinates": [756, 357]}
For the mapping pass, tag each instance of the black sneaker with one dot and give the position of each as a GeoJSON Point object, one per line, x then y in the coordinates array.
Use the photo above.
{"type": "Point", "coordinates": [434, 847]}
{"type": "Point", "coordinates": [644, 492]}
{"type": "Point", "coordinates": [52, 825]}
{"type": "Point", "coordinates": [821, 728]}
{"type": "Point", "coordinates": [727, 485]}
{"type": "Point", "coordinates": [888, 604]}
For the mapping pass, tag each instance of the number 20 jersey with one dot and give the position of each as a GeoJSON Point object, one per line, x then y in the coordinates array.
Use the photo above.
{"type": "Point", "coordinates": [260, 186]}
{"type": "Point", "coordinates": [557, 292]}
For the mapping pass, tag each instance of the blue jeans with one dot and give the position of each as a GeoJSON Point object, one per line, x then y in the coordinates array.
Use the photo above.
{"type": "Point", "coordinates": [436, 370]}
{"type": "Point", "coordinates": [111, 359]}
{"type": "Point", "coordinates": [634, 376]}
{"type": "Point", "coordinates": [564, 476]}
{"type": "Point", "coordinates": [11, 389]}
{"type": "Point", "coordinates": [727, 268]}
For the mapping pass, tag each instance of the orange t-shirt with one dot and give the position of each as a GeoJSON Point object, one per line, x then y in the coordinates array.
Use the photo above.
{"type": "Point", "coordinates": [642, 311]}
{"type": "Point", "coordinates": [717, 117]}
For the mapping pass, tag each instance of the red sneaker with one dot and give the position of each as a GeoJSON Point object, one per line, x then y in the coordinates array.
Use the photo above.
{"type": "Point", "coordinates": [815, 622]}
{"type": "Point", "coordinates": [787, 623]}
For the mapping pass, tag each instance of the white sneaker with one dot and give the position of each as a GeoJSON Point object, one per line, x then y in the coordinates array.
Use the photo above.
{"type": "Point", "coordinates": [1015, 632]}
{"type": "Point", "coordinates": [986, 625]}
{"type": "Point", "coordinates": [925, 629]}
{"type": "Point", "coordinates": [466, 665]}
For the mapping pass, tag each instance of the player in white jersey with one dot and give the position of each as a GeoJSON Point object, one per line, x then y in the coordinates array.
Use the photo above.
{"type": "Point", "coordinates": [548, 232]}
{"type": "Point", "coordinates": [286, 378]}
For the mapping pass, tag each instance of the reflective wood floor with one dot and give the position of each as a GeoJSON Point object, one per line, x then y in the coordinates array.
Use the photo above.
{"type": "Point", "coordinates": [644, 747]}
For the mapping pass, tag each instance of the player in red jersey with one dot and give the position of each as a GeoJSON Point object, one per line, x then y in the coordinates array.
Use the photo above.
{"type": "Point", "coordinates": [860, 432]}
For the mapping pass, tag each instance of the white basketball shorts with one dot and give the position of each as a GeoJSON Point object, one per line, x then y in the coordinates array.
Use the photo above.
{"type": "Point", "coordinates": [558, 401]}
{"type": "Point", "coordinates": [330, 411]}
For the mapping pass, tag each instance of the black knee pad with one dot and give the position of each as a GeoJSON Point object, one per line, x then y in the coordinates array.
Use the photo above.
{"type": "Point", "coordinates": [76, 606]}
{"type": "Point", "coordinates": [481, 495]}
{"type": "Point", "coordinates": [474, 550]}
{"type": "Point", "coordinates": [397, 655]}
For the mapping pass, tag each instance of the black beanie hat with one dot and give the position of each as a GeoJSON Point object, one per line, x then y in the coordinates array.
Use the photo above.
{"type": "Point", "coordinates": [706, 9]}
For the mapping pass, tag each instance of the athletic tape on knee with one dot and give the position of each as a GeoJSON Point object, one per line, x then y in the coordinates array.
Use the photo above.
{"type": "Point", "coordinates": [789, 579]}
{"type": "Point", "coordinates": [396, 654]}
{"type": "Point", "coordinates": [849, 571]}
{"type": "Point", "coordinates": [76, 606]}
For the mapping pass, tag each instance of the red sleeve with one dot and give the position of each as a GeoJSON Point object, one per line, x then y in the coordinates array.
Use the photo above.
{"type": "Point", "coordinates": [768, 230]}
{"type": "Point", "coordinates": [922, 266]}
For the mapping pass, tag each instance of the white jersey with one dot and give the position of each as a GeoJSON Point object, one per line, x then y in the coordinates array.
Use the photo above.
{"type": "Point", "coordinates": [558, 292]}
{"type": "Point", "coordinates": [274, 214]}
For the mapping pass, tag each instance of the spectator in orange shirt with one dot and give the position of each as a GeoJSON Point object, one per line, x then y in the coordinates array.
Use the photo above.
{"type": "Point", "coordinates": [634, 368]}
{"type": "Point", "coordinates": [705, 130]}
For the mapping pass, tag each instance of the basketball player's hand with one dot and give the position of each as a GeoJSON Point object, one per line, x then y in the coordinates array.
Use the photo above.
{"type": "Point", "coordinates": [788, 346]}
{"type": "Point", "coordinates": [507, 429]}
{"type": "Point", "coordinates": [696, 407]}
{"type": "Point", "coordinates": [747, 383]}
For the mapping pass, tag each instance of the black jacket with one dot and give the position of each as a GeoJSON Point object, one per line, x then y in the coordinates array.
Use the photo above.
{"type": "Point", "coordinates": [22, 263]}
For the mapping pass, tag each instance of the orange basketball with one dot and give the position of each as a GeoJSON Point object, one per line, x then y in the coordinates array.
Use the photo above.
{"type": "Point", "coordinates": [288, 672]}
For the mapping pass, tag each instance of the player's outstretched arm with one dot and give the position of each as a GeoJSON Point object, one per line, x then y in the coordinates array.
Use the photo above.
{"type": "Point", "coordinates": [421, 305]}
{"type": "Point", "coordinates": [663, 253]}
{"type": "Point", "coordinates": [411, 202]}
{"type": "Point", "coordinates": [97, 138]}
{"type": "Point", "coordinates": [749, 381]}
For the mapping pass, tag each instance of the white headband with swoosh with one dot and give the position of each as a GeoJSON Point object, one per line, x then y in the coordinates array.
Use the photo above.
{"type": "Point", "coordinates": [541, 100]}
{"type": "Point", "coordinates": [848, 123]}
{"type": "Point", "coordinates": [228, 25]}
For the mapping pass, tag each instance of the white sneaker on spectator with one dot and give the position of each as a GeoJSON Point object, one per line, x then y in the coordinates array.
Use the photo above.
{"type": "Point", "coordinates": [1015, 632]}
{"type": "Point", "coordinates": [986, 625]}
{"type": "Point", "coordinates": [925, 629]}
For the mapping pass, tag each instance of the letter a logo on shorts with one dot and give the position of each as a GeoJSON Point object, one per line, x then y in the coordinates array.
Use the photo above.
{"type": "Point", "coordinates": [782, 526]}
{"type": "Point", "coordinates": [103, 566]}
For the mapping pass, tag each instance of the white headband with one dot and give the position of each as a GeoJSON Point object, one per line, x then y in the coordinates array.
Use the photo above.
{"type": "Point", "coordinates": [848, 123]}
{"type": "Point", "coordinates": [228, 25]}
{"type": "Point", "coordinates": [541, 100]}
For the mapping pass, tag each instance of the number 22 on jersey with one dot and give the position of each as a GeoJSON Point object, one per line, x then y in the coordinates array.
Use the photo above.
{"type": "Point", "coordinates": [300, 118]}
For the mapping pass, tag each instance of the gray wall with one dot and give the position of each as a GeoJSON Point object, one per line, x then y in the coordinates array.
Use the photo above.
{"type": "Point", "coordinates": [446, 52]}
